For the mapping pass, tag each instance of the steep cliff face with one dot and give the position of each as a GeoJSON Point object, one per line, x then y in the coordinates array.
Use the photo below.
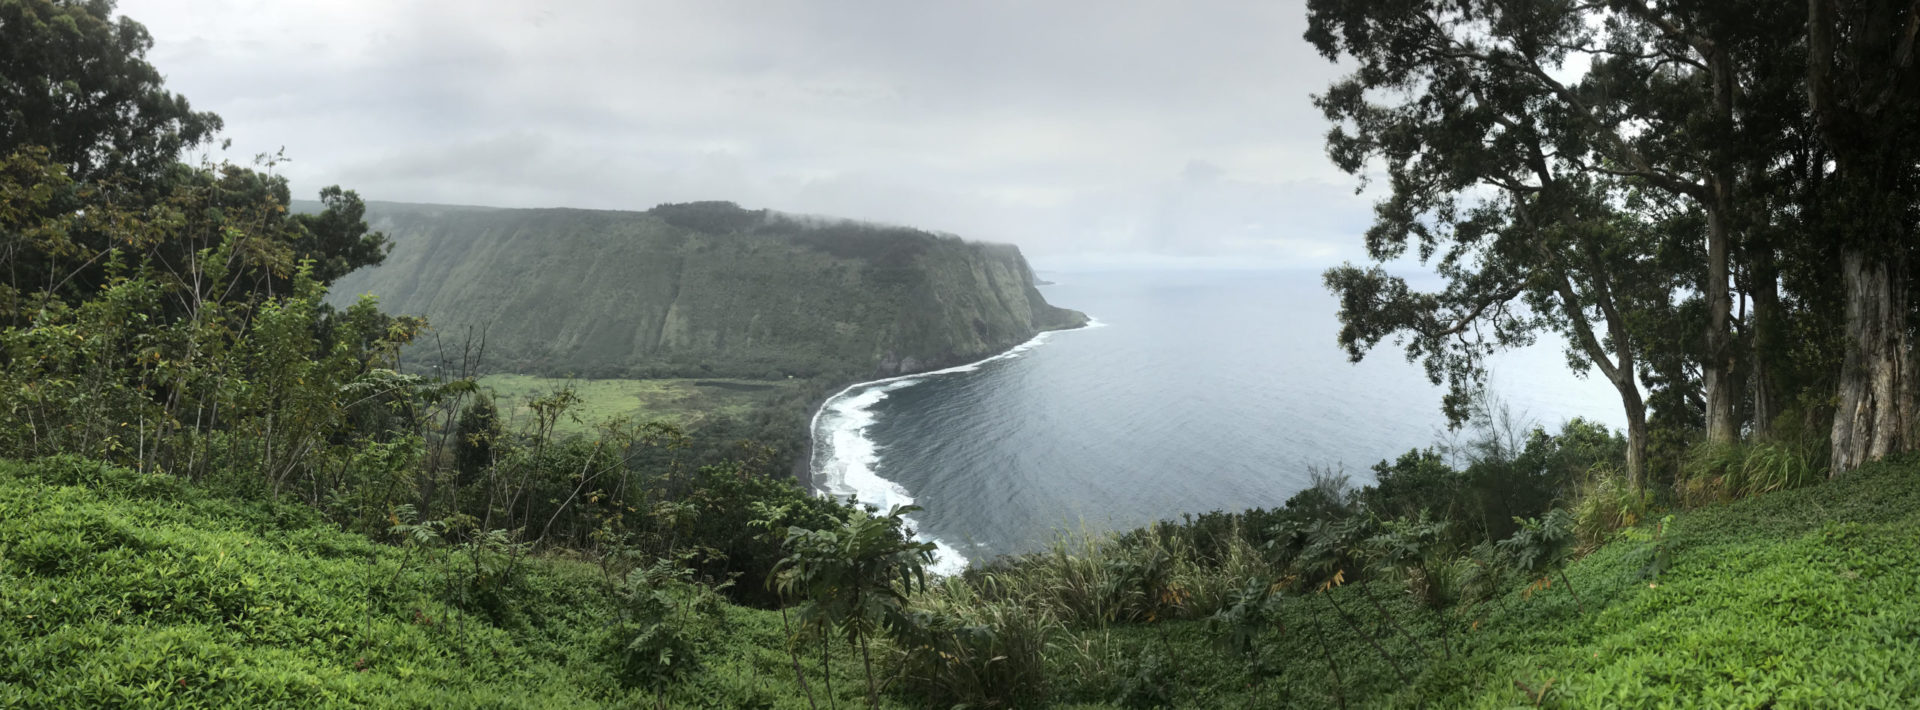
{"type": "Point", "coordinates": [699, 289]}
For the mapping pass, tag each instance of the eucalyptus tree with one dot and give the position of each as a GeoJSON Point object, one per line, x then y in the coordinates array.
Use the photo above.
{"type": "Point", "coordinates": [1863, 91]}
{"type": "Point", "coordinates": [1688, 100]}
{"type": "Point", "coordinates": [1490, 172]}
{"type": "Point", "coordinates": [1486, 101]}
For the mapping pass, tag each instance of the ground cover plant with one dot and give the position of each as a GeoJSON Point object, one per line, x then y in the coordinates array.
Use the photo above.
{"type": "Point", "coordinates": [123, 589]}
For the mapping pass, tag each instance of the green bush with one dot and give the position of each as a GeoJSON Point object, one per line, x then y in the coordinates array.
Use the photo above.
{"type": "Point", "coordinates": [1717, 473]}
{"type": "Point", "coordinates": [962, 650]}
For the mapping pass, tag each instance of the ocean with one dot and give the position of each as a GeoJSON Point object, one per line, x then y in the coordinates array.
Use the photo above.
{"type": "Point", "coordinates": [1193, 390]}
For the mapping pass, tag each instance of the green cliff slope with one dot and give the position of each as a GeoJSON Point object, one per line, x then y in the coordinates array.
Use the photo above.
{"type": "Point", "coordinates": [700, 289]}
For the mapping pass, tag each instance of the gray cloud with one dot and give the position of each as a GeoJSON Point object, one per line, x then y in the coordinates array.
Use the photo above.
{"type": "Point", "coordinates": [1071, 128]}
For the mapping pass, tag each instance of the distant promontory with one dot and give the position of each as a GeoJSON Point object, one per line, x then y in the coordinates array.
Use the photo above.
{"type": "Point", "coordinates": [699, 289]}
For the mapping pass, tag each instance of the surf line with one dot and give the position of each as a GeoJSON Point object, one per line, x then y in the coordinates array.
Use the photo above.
{"type": "Point", "coordinates": [845, 462]}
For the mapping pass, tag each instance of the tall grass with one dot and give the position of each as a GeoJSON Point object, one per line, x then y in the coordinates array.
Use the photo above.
{"type": "Point", "coordinates": [969, 650]}
{"type": "Point", "coordinates": [1606, 502]}
{"type": "Point", "coordinates": [1045, 622]}
{"type": "Point", "coordinates": [1715, 473]}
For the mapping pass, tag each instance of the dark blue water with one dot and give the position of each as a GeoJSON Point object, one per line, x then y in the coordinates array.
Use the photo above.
{"type": "Point", "coordinates": [1195, 391]}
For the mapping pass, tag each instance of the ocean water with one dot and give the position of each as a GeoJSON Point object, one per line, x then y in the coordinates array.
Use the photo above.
{"type": "Point", "coordinates": [1193, 390]}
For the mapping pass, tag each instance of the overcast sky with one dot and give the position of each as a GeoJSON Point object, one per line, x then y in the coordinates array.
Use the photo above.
{"type": "Point", "coordinates": [1074, 129]}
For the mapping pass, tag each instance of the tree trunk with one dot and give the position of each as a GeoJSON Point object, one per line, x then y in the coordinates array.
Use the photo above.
{"type": "Point", "coordinates": [1875, 394]}
{"type": "Point", "coordinates": [826, 667]}
{"type": "Point", "coordinates": [1716, 367]}
{"type": "Point", "coordinates": [1618, 367]}
{"type": "Point", "coordinates": [1636, 433]}
{"type": "Point", "coordinates": [1339, 684]}
{"type": "Point", "coordinates": [1581, 603]}
{"type": "Point", "coordinates": [873, 692]}
{"type": "Point", "coordinates": [1716, 372]}
{"type": "Point", "coordinates": [1371, 639]}
{"type": "Point", "coordinates": [1765, 291]}
{"type": "Point", "coordinates": [1392, 622]}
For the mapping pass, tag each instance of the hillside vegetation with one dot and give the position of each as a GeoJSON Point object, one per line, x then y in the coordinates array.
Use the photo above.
{"type": "Point", "coordinates": [697, 290]}
{"type": "Point", "coordinates": [118, 588]}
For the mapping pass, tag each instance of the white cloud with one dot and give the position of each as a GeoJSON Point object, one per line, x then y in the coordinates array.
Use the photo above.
{"type": "Point", "coordinates": [1069, 127]}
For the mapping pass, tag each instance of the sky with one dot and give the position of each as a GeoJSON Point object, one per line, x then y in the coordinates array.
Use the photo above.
{"type": "Point", "coordinates": [1085, 132]}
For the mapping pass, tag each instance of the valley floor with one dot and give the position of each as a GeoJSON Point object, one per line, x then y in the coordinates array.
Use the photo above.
{"type": "Point", "coordinates": [682, 402]}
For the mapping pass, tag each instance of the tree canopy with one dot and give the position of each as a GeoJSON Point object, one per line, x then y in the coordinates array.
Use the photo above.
{"type": "Point", "coordinates": [76, 80]}
{"type": "Point", "coordinates": [1662, 184]}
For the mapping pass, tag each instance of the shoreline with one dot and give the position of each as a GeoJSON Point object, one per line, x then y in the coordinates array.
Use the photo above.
{"type": "Point", "coordinates": [803, 468]}
{"type": "Point", "coordinates": [858, 467]}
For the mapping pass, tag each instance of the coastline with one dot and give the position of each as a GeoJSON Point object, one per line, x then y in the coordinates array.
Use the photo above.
{"type": "Point", "coordinates": [802, 471]}
{"type": "Point", "coordinates": [803, 468]}
{"type": "Point", "coordinates": [855, 458]}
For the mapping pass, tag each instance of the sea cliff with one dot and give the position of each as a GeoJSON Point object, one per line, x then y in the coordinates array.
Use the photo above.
{"type": "Point", "coordinates": [699, 289]}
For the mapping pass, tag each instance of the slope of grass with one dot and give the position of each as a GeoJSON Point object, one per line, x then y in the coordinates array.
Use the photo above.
{"type": "Point", "coordinates": [1803, 598]}
{"type": "Point", "coordinates": [126, 590]}
{"type": "Point", "coordinates": [1800, 598]}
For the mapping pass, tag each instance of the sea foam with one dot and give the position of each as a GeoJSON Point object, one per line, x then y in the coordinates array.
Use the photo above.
{"type": "Point", "coordinates": [846, 461]}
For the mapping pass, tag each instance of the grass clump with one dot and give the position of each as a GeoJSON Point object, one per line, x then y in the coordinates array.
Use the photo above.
{"type": "Point", "coordinates": [1717, 473]}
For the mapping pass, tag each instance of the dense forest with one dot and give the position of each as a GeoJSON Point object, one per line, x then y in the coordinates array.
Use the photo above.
{"type": "Point", "coordinates": [219, 488]}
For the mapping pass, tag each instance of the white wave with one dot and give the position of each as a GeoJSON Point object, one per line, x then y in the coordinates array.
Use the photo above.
{"type": "Point", "coordinates": [846, 462]}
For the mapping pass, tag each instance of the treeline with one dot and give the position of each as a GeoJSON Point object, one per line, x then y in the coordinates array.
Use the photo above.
{"type": "Point", "coordinates": [1718, 215]}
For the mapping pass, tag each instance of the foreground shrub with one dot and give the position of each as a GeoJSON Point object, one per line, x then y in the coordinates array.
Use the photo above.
{"type": "Point", "coordinates": [1717, 473]}
{"type": "Point", "coordinates": [1607, 502]}
{"type": "Point", "coordinates": [962, 650]}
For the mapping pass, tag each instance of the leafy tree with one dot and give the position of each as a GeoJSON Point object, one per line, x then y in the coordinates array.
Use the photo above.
{"type": "Point", "coordinates": [1488, 161]}
{"type": "Point", "coordinates": [1709, 156]}
{"type": "Point", "coordinates": [856, 578]}
{"type": "Point", "coordinates": [92, 140]}
{"type": "Point", "coordinates": [336, 238]}
{"type": "Point", "coordinates": [1416, 550]}
{"type": "Point", "coordinates": [474, 438]}
{"type": "Point", "coordinates": [1248, 613]}
{"type": "Point", "coordinates": [75, 80]}
{"type": "Point", "coordinates": [1332, 550]}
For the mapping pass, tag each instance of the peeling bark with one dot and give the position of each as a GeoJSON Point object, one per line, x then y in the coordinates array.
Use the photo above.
{"type": "Point", "coordinates": [1874, 416]}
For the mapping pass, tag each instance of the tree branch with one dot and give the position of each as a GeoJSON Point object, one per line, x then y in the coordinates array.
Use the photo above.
{"type": "Point", "coordinates": [1583, 330]}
